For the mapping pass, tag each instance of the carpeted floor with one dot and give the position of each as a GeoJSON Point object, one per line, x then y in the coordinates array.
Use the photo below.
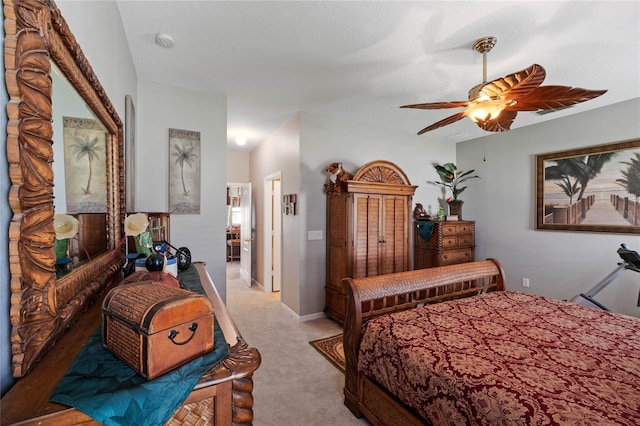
{"type": "Point", "coordinates": [295, 385]}
{"type": "Point", "coordinates": [331, 348]}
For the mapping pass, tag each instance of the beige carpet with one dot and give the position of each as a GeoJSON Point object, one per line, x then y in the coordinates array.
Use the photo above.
{"type": "Point", "coordinates": [295, 385]}
{"type": "Point", "coordinates": [331, 348]}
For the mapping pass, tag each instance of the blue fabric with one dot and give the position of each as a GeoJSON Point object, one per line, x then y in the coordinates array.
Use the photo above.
{"type": "Point", "coordinates": [425, 229]}
{"type": "Point", "coordinates": [106, 389]}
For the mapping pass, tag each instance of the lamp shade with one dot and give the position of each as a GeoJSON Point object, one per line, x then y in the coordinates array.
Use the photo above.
{"type": "Point", "coordinates": [66, 226]}
{"type": "Point", "coordinates": [485, 110]}
{"type": "Point", "coordinates": [135, 224]}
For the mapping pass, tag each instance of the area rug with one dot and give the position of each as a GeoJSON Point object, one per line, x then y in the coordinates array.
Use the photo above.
{"type": "Point", "coordinates": [331, 348]}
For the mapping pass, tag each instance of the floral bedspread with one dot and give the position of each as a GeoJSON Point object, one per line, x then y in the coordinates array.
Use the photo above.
{"type": "Point", "coordinates": [508, 358]}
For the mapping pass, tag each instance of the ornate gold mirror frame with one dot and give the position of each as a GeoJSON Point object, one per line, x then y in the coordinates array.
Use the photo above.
{"type": "Point", "coordinates": [41, 306]}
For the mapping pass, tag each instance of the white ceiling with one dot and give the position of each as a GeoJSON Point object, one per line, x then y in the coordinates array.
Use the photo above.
{"type": "Point", "coordinates": [360, 61]}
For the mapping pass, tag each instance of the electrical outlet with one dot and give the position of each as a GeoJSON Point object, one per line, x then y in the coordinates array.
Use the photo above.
{"type": "Point", "coordinates": [525, 282]}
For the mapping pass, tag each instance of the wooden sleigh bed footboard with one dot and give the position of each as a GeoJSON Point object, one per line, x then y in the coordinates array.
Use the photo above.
{"type": "Point", "coordinates": [371, 297]}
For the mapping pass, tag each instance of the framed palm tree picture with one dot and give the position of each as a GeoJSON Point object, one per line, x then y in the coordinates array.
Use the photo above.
{"type": "Point", "coordinates": [593, 189]}
{"type": "Point", "coordinates": [184, 171]}
{"type": "Point", "coordinates": [85, 165]}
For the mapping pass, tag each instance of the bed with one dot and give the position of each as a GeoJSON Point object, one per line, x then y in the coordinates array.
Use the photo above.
{"type": "Point", "coordinates": [450, 346]}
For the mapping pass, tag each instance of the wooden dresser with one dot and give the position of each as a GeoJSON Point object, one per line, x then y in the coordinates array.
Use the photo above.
{"type": "Point", "coordinates": [451, 242]}
{"type": "Point", "coordinates": [222, 397]}
{"type": "Point", "coordinates": [368, 229]}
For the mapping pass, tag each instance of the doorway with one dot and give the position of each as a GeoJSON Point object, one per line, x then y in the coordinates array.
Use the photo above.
{"type": "Point", "coordinates": [273, 233]}
{"type": "Point", "coordinates": [239, 228]}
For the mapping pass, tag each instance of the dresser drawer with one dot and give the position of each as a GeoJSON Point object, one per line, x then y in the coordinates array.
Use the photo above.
{"type": "Point", "coordinates": [451, 257]}
{"type": "Point", "coordinates": [451, 234]}
{"type": "Point", "coordinates": [458, 241]}
{"type": "Point", "coordinates": [466, 240]}
{"type": "Point", "coordinates": [452, 228]}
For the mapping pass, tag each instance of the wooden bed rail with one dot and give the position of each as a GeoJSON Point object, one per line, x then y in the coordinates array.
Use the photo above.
{"type": "Point", "coordinates": [369, 297]}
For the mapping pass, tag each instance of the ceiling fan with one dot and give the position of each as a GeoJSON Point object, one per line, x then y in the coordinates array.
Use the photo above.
{"type": "Point", "coordinates": [494, 105]}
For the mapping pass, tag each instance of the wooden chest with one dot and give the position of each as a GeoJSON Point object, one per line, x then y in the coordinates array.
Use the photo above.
{"type": "Point", "coordinates": [450, 243]}
{"type": "Point", "coordinates": [154, 328]}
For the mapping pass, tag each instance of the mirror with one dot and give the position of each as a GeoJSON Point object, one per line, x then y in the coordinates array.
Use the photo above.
{"type": "Point", "coordinates": [43, 306]}
{"type": "Point", "coordinates": [79, 176]}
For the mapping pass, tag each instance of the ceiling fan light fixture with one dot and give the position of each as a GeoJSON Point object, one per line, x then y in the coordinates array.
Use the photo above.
{"type": "Point", "coordinates": [485, 110]}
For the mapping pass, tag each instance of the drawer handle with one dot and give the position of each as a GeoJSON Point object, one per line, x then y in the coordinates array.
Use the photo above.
{"type": "Point", "coordinates": [173, 334]}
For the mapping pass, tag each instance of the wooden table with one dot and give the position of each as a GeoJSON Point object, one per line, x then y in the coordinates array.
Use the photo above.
{"type": "Point", "coordinates": [222, 397]}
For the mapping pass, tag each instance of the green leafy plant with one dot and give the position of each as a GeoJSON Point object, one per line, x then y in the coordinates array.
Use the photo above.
{"type": "Point", "coordinates": [451, 177]}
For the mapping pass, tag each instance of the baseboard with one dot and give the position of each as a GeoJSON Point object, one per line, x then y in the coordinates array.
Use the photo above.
{"type": "Point", "coordinates": [312, 316]}
{"type": "Point", "coordinates": [304, 317]}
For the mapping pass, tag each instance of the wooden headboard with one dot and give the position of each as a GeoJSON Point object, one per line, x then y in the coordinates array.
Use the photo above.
{"type": "Point", "coordinates": [374, 296]}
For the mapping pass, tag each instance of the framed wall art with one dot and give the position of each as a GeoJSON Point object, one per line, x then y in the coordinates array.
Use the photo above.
{"type": "Point", "coordinates": [85, 165]}
{"type": "Point", "coordinates": [289, 204]}
{"type": "Point", "coordinates": [592, 189]}
{"type": "Point", "coordinates": [130, 152]}
{"type": "Point", "coordinates": [184, 171]}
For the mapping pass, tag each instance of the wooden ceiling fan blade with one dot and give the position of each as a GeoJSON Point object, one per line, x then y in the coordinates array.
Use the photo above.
{"type": "Point", "coordinates": [500, 124]}
{"type": "Point", "coordinates": [553, 97]}
{"type": "Point", "coordinates": [516, 84]}
{"type": "Point", "coordinates": [438, 105]}
{"type": "Point", "coordinates": [449, 120]}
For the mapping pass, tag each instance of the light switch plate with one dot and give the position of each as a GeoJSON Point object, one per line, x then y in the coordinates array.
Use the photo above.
{"type": "Point", "coordinates": [314, 235]}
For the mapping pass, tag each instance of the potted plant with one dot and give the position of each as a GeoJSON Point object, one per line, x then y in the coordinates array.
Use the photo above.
{"type": "Point", "coordinates": [452, 178]}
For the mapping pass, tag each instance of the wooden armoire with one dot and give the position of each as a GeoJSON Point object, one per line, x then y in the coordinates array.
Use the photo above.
{"type": "Point", "coordinates": [368, 229]}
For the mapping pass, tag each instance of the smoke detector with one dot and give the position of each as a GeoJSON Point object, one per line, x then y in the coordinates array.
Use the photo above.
{"type": "Point", "coordinates": [165, 40]}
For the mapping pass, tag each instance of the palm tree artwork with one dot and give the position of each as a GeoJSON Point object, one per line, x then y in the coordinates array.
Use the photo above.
{"type": "Point", "coordinates": [570, 189]}
{"type": "Point", "coordinates": [85, 146]}
{"type": "Point", "coordinates": [184, 154]}
{"type": "Point", "coordinates": [593, 189]}
{"type": "Point", "coordinates": [582, 169]}
{"type": "Point", "coordinates": [630, 180]}
{"type": "Point", "coordinates": [184, 171]}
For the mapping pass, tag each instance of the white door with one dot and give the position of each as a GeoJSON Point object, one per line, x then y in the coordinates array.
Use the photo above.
{"type": "Point", "coordinates": [272, 233]}
{"type": "Point", "coordinates": [245, 233]}
{"type": "Point", "coordinates": [276, 236]}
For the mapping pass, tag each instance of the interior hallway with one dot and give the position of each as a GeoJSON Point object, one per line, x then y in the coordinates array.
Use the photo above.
{"type": "Point", "coordinates": [294, 385]}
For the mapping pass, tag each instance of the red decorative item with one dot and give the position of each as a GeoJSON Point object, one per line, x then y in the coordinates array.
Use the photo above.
{"type": "Point", "coordinates": [156, 276]}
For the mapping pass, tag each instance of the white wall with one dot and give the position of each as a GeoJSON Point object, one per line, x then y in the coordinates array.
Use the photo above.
{"type": "Point", "coordinates": [279, 153]}
{"type": "Point", "coordinates": [325, 140]}
{"type": "Point", "coordinates": [238, 166]}
{"type": "Point", "coordinates": [161, 107]}
{"type": "Point", "coordinates": [502, 202]}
